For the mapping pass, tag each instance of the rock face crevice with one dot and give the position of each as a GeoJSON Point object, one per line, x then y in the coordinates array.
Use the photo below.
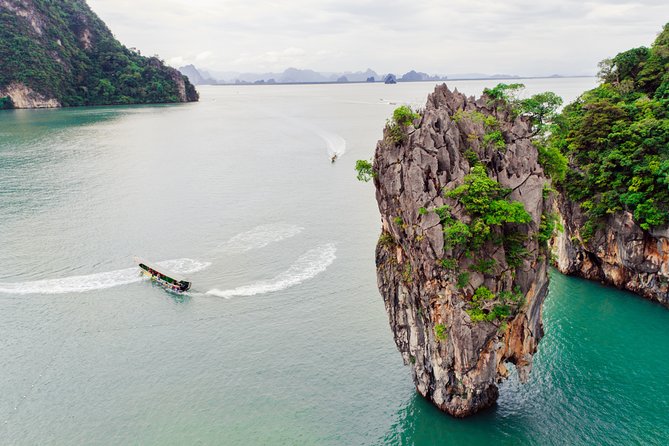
{"type": "Point", "coordinates": [455, 361]}
{"type": "Point", "coordinates": [620, 253]}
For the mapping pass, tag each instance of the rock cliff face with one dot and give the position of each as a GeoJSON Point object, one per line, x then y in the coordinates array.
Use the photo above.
{"type": "Point", "coordinates": [24, 97]}
{"type": "Point", "coordinates": [620, 253]}
{"type": "Point", "coordinates": [443, 324]}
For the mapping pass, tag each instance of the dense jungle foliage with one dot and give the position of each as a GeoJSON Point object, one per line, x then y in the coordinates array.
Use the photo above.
{"type": "Point", "coordinates": [616, 137]}
{"type": "Point", "coordinates": [61, 49]}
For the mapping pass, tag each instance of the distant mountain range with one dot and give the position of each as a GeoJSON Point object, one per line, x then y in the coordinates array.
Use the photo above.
{"type": "Point", "coordinates": [199, 76]}
{"type": "Point", "coordinates": [298, 76]}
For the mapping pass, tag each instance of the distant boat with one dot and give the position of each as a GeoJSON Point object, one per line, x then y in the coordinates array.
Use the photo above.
{"type": "Point", "coordinates": [334, 158]}
{"type": "Point", "coordinates": [171, 281]}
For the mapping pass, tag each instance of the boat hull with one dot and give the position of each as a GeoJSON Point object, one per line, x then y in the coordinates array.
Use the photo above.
{"type": "Point", "coordinates": [167, 280]}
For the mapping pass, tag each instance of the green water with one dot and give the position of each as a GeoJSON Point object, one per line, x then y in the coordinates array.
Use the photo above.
{"type": "Point", "coordinates": [284, 339]}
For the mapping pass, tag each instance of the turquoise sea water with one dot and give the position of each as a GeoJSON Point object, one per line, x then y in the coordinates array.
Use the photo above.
{"type": "Point", "coordinates": [284, 339]}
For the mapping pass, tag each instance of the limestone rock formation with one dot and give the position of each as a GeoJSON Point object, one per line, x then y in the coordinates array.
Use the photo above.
{"type": "Point", "coordinates": [460, 311]}
{"type": "Point", "coordinates": [620, 253]}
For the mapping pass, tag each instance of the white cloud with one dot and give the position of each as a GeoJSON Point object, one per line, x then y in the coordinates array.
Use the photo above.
{"type": "Point", "coordinates": [439, 36]}
{"type": "Point", "coordinates": [273, 60]}
{"type": "Point", "coordinates": [203, 56]}
{"type": "Point", "coordinates": [176, 61]}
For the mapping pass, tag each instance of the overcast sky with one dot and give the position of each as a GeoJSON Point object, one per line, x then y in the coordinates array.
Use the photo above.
{"type": "Point", "coordinates": [526, 37]}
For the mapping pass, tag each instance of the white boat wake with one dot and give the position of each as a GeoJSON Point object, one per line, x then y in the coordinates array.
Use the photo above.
{"type": "Point", "coordinates": [336, 145]}
{"type": "Point", "coordinates": [260, 236]}
{"type": "Point", "coordinates": [306, 267]}
{"type": "Point", "coordinates": [97, 281]}
{"type": "Point", "coordinates": [312, 263]}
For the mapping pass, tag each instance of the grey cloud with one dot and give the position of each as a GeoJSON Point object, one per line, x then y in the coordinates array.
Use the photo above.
{"type": "Point", "coordinates": [567, 36]}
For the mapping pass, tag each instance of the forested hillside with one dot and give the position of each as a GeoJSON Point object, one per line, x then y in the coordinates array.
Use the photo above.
{"type": "Point", "coordinates": [616, 137]}
{"type": "Point", "coordinates": [59, 53]}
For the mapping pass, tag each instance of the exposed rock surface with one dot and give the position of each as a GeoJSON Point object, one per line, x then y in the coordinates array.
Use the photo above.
{"type": "Point", "coordinates": [620, 253]}
{"type": "Point", "coordinates": [456, 362]}
{"type": "Point", "coordinates": [24, 97]}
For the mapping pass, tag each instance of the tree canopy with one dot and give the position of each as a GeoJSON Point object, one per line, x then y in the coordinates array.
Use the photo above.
{"type": "Point", "coordinates": [617, 139]}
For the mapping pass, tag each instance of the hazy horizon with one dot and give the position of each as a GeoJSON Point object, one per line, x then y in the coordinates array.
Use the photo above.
{"type": "Point", "coordinates": [566, 37]}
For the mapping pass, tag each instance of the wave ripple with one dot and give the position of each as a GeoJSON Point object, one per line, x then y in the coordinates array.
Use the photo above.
{"type": "Point", "coordinates": [260, 236]}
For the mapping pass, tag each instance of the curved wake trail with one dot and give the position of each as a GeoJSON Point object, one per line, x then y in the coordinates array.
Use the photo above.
{"type": "Point", "coordinates": [336, 144]}
{"type": "Point", "coordinates": [308, 266]}
{"type": "Point", "coordinates": [260, 236]}
{"type": "Point", "coordinates": [98, 281]}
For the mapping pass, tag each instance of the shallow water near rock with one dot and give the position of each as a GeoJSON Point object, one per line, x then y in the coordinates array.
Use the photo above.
{"type": "Point", "coordinates": [284, 338]}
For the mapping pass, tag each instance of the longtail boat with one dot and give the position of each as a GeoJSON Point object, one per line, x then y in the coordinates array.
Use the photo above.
{"type": "Point", "coordinates": [172, 281]}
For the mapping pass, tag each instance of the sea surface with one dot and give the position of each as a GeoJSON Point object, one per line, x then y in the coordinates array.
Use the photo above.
{"type": "Point", "coordinates": [284, 338]}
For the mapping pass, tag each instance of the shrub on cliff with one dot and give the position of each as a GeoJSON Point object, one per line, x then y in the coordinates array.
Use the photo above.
{"type": "Point", "coordinates": [485, 198]}
{"type": "Point", "coordinates": [365, 170]}
{"type": "Point", "coordinates": [505, 93]}
{"type": "Point", "coordinates": [542, 111]}
{"type": "Point", "coordinates": [486, 202]}
{"type": "Point", "coordinates": [404, 116]}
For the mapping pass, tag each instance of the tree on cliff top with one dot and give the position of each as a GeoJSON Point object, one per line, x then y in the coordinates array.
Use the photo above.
{"type": "Point", "coordinates": [542, 111]}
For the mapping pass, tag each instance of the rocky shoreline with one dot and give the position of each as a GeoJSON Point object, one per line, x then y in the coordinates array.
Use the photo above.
{"type": "Point", "coordinates": [620, 253]}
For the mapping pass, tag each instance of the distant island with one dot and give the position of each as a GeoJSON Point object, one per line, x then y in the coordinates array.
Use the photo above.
{"type": "Point", "coordinates": [200, 76]}
{"type": "Point", "coordinates": [61, 54]}
{"type": "Point", "coordinates": [299, 76]}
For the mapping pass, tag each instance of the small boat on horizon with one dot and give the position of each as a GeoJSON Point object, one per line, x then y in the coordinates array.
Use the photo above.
{"type": "Point", "coordinates": [169, 280]}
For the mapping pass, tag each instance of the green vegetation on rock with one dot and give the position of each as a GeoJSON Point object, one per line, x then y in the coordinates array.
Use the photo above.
{"type": "Point", "coordinates": [493, 217]}
{"type": "Point", "coordinates": [62, 50]}
{"type": "Point", "coordinates": [492, 137]}
{"type": "Point", "coordinates": [403, 117]}
{"type": "Point", "coordinates": [548, 227]}
{"type": "Point", "coordinates": [542, 111]}
{"type": "Point", "coordinates": [498, 312]}
{"type": "Point", "coordinates": [440, 332]}
{"type": "Point", "coordinates": [616, 137]}
{"type": "Point", "coordinates": [365, 170]}
{"type": "Point", "coordinates": [485, 201]}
